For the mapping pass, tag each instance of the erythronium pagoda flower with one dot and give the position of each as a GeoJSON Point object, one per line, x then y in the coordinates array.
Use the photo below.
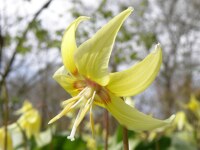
{"type": "Point", "coordinates": [86, 77]}
{"type": "Point", "coordinates": [194, 106]}
{"type": "Point", "coordinates": [30, 120]}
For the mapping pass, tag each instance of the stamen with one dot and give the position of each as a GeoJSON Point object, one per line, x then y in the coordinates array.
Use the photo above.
{"type": "Point", "coordinates": [69, 105]}
{"type": "Point", "coordinates": [88, 106]}
{"type": "Point", "coordinates": [93, 96]}
{"type": "Point", "coordinates": [81, 114]}
{"type": "Point", "coordinates": [62, 113]}
{"type": "Point", "coordinates": [81, 99]}
{"type": "Point", "coordinates": [68, 101]}
{"type": "Point", "coordinates": [92, 122]}
{"type": "Point", "coordinates": [73, 98]}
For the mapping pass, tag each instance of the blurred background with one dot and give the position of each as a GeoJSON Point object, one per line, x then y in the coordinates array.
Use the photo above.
{"type": "Point", "coordinates": [30, 38]}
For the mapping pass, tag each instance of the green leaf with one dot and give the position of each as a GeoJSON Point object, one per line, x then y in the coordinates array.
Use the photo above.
{"type": "Point", "coordinates": [42, 35]}
{"type": "Point", "coordinates": [162, 144]}
{"type": "Point", "coordinates": [61, 142]}
{"type": "Point", "coordinates": [133, 55]}
{"type": "Point", "coordinates": [22, 49]}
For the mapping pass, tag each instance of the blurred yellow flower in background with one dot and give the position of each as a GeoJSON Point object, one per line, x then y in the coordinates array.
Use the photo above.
{"type": "Point", "coordinates": [2, 140]}
{"type": "Point", "coordinates": [91, 144]}
{"type": "Point", "coordinates": [86, 77]}
{"type": "Point", "coordinates": [30, 120]}
{"type": "Point", "coordinates": [181, 122]}
{"type": "Point", "coordinates": [194, 106]}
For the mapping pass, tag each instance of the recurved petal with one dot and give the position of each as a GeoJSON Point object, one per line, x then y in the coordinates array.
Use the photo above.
{"type": "Point", "coordinates": [92, 56]}
{"type": "Point", "coordinates": [131, 118]}
{"type": "Point", "coordinates": [26, 107]}
{"type": "Point", "coordinates": [65, 80]}
{"type": "Point", "coordinates": [137, 78]}
{"type": "Point", "coordinates": [68, 45]}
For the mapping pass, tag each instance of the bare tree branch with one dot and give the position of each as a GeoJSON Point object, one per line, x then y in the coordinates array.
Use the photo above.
{"type": "Point", "coordinates": [20, 41]}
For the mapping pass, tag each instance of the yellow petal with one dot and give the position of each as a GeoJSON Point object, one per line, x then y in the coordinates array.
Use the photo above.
{"type": "Point", "coordinates": [92, 56]}
{"type": "Point", "coordinates": [137, 78]}
{"type": "Point", "coordinates": [33, 127]}
{"type": "Point", "coordinates": [131, 118]}
{"type": "Point", "coordinates": [63, 77]}
{"type": "Point", "coordinates": [26, 107]}
{"type": "Point", "coordinates": [68, 45]}
{"type": "Point", "coordinates": [30, 122]}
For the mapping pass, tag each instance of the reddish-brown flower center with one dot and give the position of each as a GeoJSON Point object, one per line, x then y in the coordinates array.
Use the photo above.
{"type": "Point", "coordinates": [102, 94]}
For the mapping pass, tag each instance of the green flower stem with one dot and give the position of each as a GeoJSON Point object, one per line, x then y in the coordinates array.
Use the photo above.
{"type": "Point", "coordinates": [107, 129]}
{"type": "Point", "coordinates": [25, 138]}
{"type": "Point", "coordinates": [6, 114]}
{"type": "Point", "coordinates": [125, 138]}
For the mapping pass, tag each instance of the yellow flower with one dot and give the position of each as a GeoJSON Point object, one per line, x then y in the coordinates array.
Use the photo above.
{"type": "Point", "coordinates": [2, 140]}
{"type": "Point", "coordinates": [181, 122]}
{"type": "Point", "coordinates": [25, 108]}
{"type": "Point", "coordinates": [91, 144]}
{"type": "Point", "coordinates": [86, 77]}
{"type": "Point", "coordinates": [194, 106]}
{"type": "Point", "coordinates": [30, 120]}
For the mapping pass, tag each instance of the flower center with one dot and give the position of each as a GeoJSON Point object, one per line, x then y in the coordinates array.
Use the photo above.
{"type": "Point", "coordinates": [93, 84]}
{"type": "Point", "coordinates": [102, 94]}
{"type": "Point", "coordinates": [89, 92]}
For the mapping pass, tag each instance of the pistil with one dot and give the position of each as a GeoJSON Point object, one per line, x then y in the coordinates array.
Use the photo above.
{"type": "Point", "coordinates": [88, 98]}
